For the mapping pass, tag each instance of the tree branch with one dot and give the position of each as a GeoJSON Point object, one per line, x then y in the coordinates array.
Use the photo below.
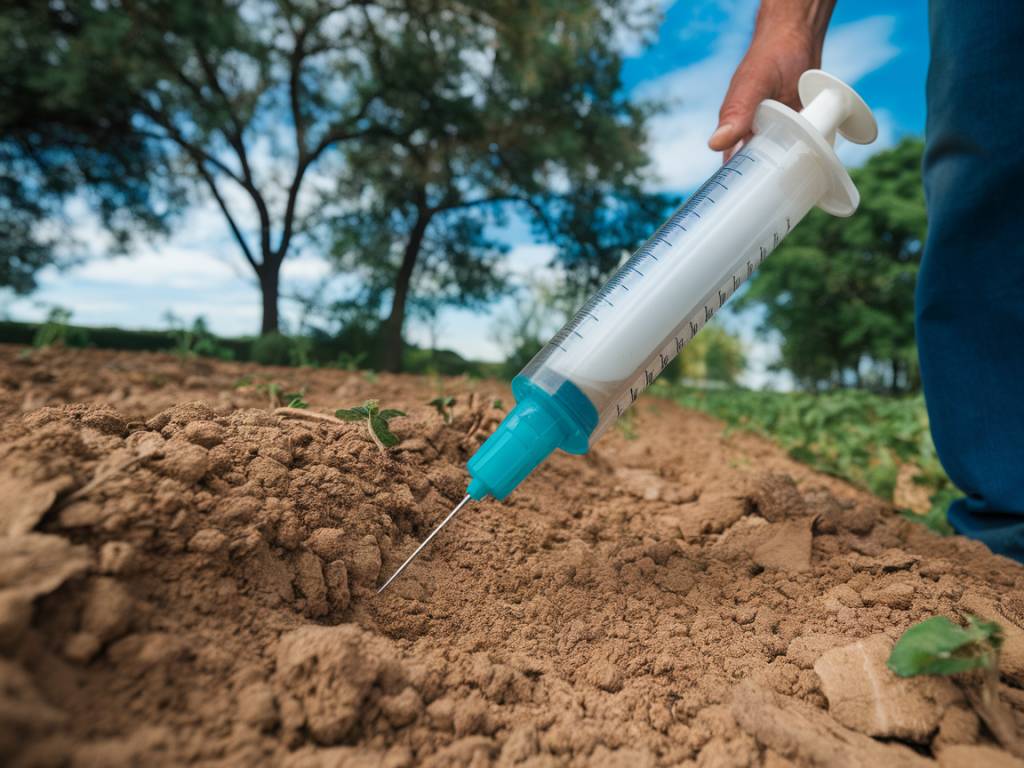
{"type": "Point", "coordinates": [234, 137]}
{"type": "Point", "coordinates": [294, 87]}
{"type": "Point", "coordinates": [175, 135]}
{"type": "Point", "coordinates": [212, 184]}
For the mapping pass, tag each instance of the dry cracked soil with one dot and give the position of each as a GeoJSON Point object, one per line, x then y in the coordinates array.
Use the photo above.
{"type": "Point", "coordinates": [187, 576]}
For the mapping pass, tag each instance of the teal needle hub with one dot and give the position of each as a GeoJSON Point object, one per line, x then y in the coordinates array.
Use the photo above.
{"type": "Point", "coordinates": [539, 423]}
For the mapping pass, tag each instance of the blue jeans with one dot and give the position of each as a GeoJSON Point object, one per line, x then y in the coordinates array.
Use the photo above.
{"type": "Point", "coordinates": [970, 290]}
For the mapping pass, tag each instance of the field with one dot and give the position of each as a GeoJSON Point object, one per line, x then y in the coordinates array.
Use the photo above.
{"type": "Point", "coordinates": [188, 576]}
{"type": "Point", "coordinates": [879, 443]}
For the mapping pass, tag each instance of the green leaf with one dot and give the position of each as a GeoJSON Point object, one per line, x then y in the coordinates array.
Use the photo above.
{"type": "Point", "coordinates": [390, 413]}
{"type": "Point", "coordinates": [379, 425]}
{"type": "Point", "coordinates": [372, 407]}
{"type": "Point", "coordinates": [498, 404]}
{"type": "Point", "coordinates": [352, 414]}
{"type": "Point", "coordinates": [991, 631]}
{"type": "Point", "coordinates": [296, 401]}
{"type": "Point", "coordinates": [937, 646]}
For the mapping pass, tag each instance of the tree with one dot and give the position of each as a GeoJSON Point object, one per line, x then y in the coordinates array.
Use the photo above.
{"type": "Point", "coordinates": [841, 291]}
{"type": "Point", "coordinates": [533, 124]}
{"type": "Point", "coordinates": [243, 98]}
{"type": "Point", "coordinates": [252, 97]}
{"type": "Point", "coordinates": [65, 131]}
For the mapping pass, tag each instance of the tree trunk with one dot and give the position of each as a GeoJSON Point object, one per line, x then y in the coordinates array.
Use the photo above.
{"type": "Point", "coordinates": [390, 358]}
{"type": "Point", "coordinates": [270, 278]}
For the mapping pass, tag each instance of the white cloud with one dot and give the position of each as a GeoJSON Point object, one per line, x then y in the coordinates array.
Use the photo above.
{"type": "Point", "coordinates": [678, 137]}
{"type": "Point", "coordinates": [169, 266]}
{"type": "Point", "coordinates": [306, 268]}
{"type": "Point", "coordinates": [530, 260]}
{"type": "Point", "coordinates": [860, 47]}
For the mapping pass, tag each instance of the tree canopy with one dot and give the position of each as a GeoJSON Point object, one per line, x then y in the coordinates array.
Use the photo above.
{"type": "Point", "coordinates": [66, 129]}
{"type": "Point", "coordinates": [841, 291]}
{"type": "Point", "coordinates": [534, 123]}
{"type": "Point", "coordinates": [391, 133]}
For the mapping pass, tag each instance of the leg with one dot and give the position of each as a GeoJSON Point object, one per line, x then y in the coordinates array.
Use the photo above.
{"type": "Point", "coordinates": [970, 291]}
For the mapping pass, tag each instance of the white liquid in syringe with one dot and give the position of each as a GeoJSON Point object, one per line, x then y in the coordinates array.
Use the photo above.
{"type": "Point", "coordinates": [631, 329]}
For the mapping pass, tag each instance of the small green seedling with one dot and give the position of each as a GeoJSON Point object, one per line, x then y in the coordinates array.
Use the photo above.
{"type": "Point", "coordinates": [376, 422]}
{"type": "Point", "coordinates": [937, 646]}
{"type": "Point", "coordinates": [58, 332]}
{"type": "Point", "coordinates": [279, 397]}
{"type": "Point", "coordinates": [498, 404]}
{"type": "Point", "coordinates": [444, 406]}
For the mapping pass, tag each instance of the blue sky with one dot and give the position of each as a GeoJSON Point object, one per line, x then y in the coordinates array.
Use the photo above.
{"type": "Point", "coordinates": [880, 47]}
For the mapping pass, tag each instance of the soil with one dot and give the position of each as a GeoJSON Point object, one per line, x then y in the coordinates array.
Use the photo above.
{"type": "Point", "coordinates": [187, 575]}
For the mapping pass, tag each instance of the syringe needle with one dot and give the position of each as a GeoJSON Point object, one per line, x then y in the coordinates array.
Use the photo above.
{"type": "Point", "coordinates": [433, 533]}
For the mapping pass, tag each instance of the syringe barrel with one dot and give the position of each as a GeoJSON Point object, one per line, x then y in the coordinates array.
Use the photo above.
{"type": "Point", "coordinates": [626, 334]}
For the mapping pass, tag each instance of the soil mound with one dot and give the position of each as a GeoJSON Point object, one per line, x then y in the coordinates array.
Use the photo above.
{"type": "Point", "coordinates": [197, 585]}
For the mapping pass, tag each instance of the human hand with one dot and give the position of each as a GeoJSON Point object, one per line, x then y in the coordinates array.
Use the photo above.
{"type": "Point", "coordinates": [788, 40]}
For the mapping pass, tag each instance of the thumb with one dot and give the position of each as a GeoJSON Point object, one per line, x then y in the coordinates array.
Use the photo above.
{"type": "Point", "coordinates": [736, 117]}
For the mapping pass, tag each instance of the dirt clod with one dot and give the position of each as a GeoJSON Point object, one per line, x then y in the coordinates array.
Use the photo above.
{"type": "Point", "coordinates": [108, 609]}
{"type": "Point", "coordinates": [332, 669]}
{"type": "Point", "coordinates": [865, 696]}
{"type": "Point", "coordinates": [256, 706]}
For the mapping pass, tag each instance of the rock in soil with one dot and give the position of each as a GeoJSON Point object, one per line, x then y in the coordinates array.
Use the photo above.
{"type": "Point", "coordinates": [864, 695]}
{"type": "Point", "coordinates": [662, 601]}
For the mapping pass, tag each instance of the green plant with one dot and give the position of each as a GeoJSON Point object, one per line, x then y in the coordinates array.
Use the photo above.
{"type": "Point", "coordinates": [937, 646]}
{"type": "Point", "coordinates": [444, 405]}
{"type": "Point", "coordinates": [197, 340]}
{"type": "Point", "coordinates": [278, 396]}
{"type": "Point", "coordinates": [376, 421]}
{"type": "Point", "coordinates": [57, 331]}
{"type": "Point", "coordinates": [272, 349]}
{"type": "Point", "coordinates": [497, 404]}
{"type": "Point", "coordinates": [348, 361]}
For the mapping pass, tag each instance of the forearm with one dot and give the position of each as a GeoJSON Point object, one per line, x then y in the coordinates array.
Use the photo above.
{"type": "Point", "coordinates": [801, 17]}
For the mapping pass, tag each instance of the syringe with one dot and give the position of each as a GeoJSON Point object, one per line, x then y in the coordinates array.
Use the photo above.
{"type": "Point", "coordinates": [623, 337]}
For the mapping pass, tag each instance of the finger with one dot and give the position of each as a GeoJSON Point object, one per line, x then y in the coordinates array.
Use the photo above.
{"type": "Point", "coordinates": [736, 117]}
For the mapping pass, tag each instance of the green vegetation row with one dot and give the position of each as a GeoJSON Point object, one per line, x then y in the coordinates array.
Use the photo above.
{"type": "Point", "coordinates": [856, 435]}
{"type": "Point", "coordinates": [273, 349]}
